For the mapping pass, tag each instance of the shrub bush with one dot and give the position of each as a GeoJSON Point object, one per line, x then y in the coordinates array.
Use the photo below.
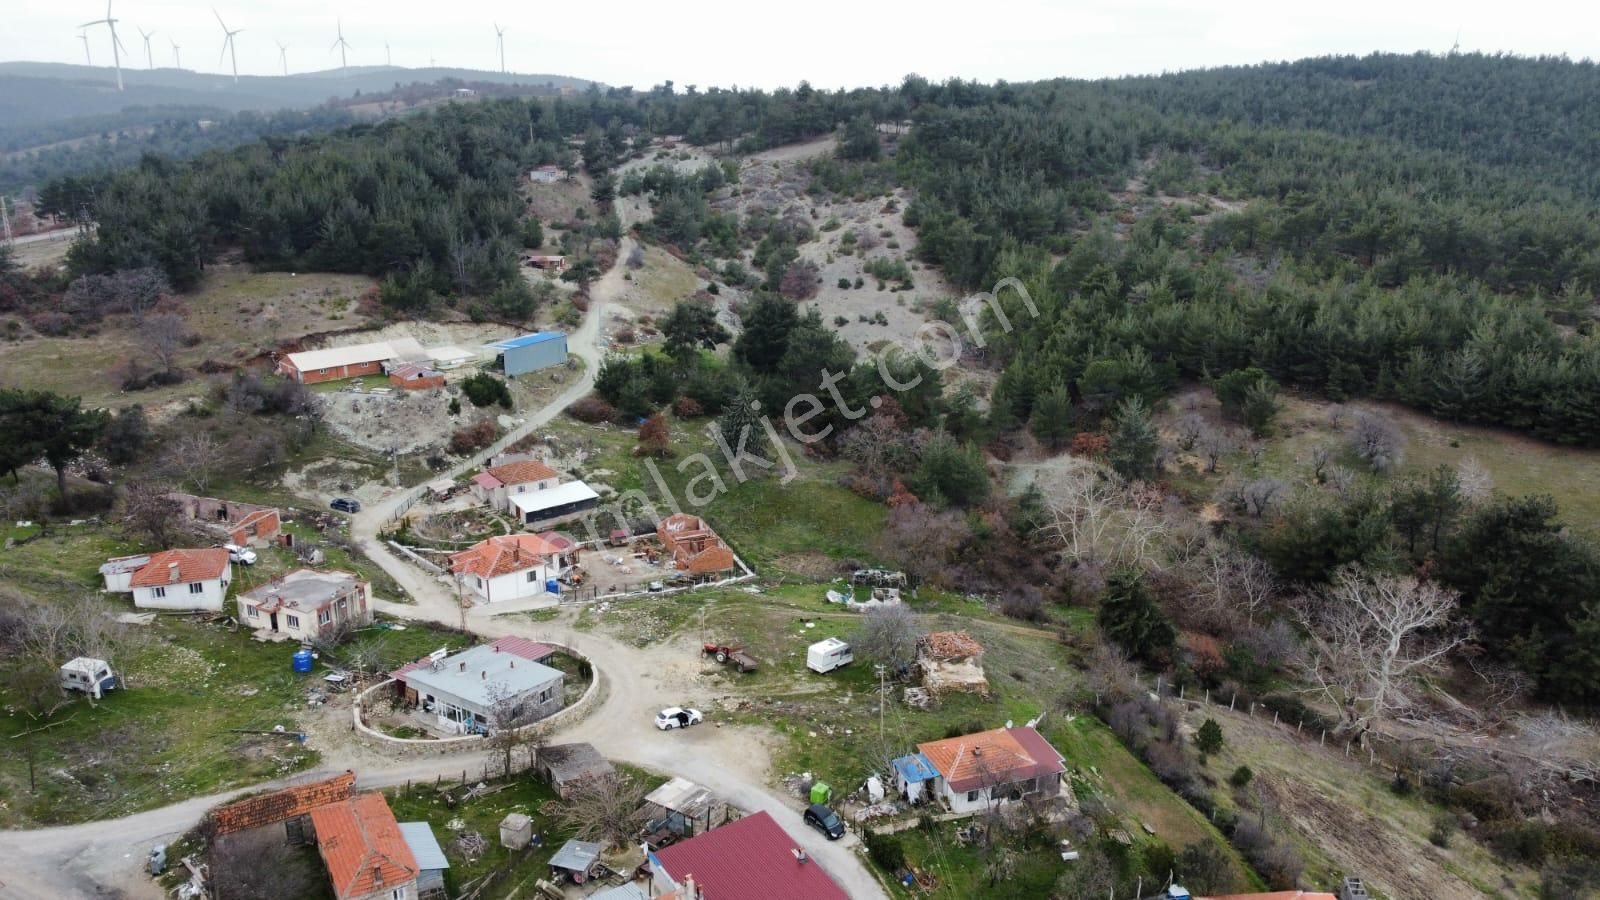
{"type": "Point", "coordinates": [593, 410]}
{"type": "Point", "coordinates": [885, 850]}
{"type": "Point", "coordinates": [473, 437]}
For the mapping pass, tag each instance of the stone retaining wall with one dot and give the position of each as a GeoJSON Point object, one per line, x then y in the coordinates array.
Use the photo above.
{"type": "Point", "coordinates": [566, 717]}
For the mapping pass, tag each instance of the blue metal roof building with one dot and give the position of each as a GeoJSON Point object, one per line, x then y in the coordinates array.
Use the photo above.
{"type": "Point", "coordinates": [532, 352]}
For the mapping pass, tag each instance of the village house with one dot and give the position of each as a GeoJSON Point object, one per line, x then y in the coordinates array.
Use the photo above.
{"type": "Point", "coordinates": [364, 850]}
{"type": "Point", "coordinates": [245, 524]}
{"type": "Point", "coordinates": [172, 580]}
{"type": "Point", "coordinates": [530, 352]}
{"type": "Point", "coordinates": [307, 604]}
{"type": "Point", "coordinates": [510, 567]}
{"type": "Point", "coordinates": [976, 770]}
{"type": "Point", "coordinates": [753, 857]}
{"type": "Point", "coordinates": [564, 765]}
{"type": "Point", "coordinates": [693, 547]}
{"type": "Point", "coordinates": [497, 484]}
{"type": "Point", "coordinates": [290, 806]}
{"type": "Point", "coordinates": [484, 688]}
{"type": "Point", "coordinates": [548, 174]}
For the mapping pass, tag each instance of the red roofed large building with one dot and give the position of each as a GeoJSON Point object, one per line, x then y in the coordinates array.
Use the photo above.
{"type": "Point", "coordinates": [998, 765]}
{"type": "Point", "coordinates": [365, 852]}
{"type": "Point", "coordinates": [750, 858]}
{"type": "Point", "coordinates": [509, 567]}
{"type": "Point", "coordinates": [693, 547]}
{"type": "Point", "coordinates": [182, 581]}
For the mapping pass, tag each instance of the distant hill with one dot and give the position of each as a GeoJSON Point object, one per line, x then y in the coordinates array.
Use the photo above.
{"type": "Point", "coordinates": [34, 94]}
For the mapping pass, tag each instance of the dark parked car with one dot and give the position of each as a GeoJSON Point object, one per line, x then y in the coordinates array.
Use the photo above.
{"type": "Point", "coordinates": [346, 504]}
{"type": "Point", "coordinates": [825, 820]}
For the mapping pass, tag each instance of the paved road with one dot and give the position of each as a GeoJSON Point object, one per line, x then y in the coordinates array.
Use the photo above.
{"type": "Point", "coordinates": [102, 859]}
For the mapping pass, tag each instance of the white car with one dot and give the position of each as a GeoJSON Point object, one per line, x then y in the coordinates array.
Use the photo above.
{"type": "Point", "coordinates": [240, 554]}
{"type": "Point", "coordinates": [678, 717]}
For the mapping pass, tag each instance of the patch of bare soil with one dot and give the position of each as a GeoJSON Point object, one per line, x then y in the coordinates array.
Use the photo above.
{"type": "Point", "coordinates": [809, 564]}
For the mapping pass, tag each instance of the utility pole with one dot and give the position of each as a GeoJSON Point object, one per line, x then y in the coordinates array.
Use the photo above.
{"type": "Point", "coordinates": [883, 689]}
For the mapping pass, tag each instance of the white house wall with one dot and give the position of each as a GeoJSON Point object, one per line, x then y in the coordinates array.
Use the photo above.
{"type": "Point", "coordinates": [514, 586]}
{"type": "Point", "coordinates": [179, 599]}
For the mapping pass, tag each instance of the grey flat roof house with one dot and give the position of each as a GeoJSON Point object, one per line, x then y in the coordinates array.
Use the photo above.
{"type": "Point", "coordinates": [472, 689]}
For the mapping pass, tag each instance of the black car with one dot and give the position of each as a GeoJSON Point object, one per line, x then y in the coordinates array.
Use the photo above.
{"type": "Point", "coordinates": [346, 504]}
{"type": "Point", "coordinates": [825, 820]}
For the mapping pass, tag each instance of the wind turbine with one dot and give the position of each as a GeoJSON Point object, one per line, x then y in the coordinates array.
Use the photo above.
{"type": "Point", "coordinates": [87, 59]}
{"type": "Point", "coordinates": [228, 46]}
{"type": "Point", "coordinates": [283, 51]}
{"type": "Point", "coordinates": [116, 43]}
{"type": "Point", "coordinates": [176, 64]}
{"type": "Point", "coordinates": [149, 61]}
{"type": "Point", "coordinates": [500, 39]}
{"type": "Point", "coordinates": [341, 45]}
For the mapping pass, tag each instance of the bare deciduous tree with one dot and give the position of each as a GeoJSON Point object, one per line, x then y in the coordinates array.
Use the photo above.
{"type": "Point", "coordinates": [1096, 517]}
{"type": "Point", "coordinates": [1259, 495]}
{"type": "Point", "coordinates": [1473, 480]}
{"type": "Point", "coordinates": [1378, 441]}
{"type": "Point", "coordinates": [193, 457]}
{"type": "Point", "coordinates": [508, 714]}
{"type": "Point", "coordinates": [1236, 582]}
{"type": "Point", "coordinates": [259, 864]}
{"type": "Point", "coordinates": [889, 635]}
{"type": "Point", "coordinates": [1371, 637]}
{"type": "Point", "coordinates": [162, 336]}
{"type": "Point", "coordinates": [1321, 456]}
{"type": "Point", "coordinates": [1214, 444]}
{"type": "Point", "coordinates": [1189, 430]}
{"type": "Point", "coordinates": [152, 515]}
{"type": "Point", "coordinates": [605, 808]}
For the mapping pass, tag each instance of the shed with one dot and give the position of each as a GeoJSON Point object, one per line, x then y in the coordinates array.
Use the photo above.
{"type": "Point", "coordinates": [516, 831]}
{"type": "Point", "coordinates": [910, 773]}
{"type": "Point", "coordinates": [118, 572]}
{"type": "Point", "coordinates": [532, 352]}
{"type": "Point", "coordinates": [554, 503]}
{"type": "Point", "coordinates": [563, 765]}
{"type": "Point", "coordinates": [684, 808]}
{"type": "Point", "coordinates": [450, 356]}
{"type": "Point", "coordinates": [431, 861]}
{"type": "Point", "coordinates": [89, 675]}
{"type": "Point", "coordinates": [577, 860]}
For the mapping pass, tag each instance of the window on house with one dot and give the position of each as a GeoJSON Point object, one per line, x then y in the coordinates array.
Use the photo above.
{"type": "Point", "coordinates": [533, 575]}
{"type": "Point", "coordinates": [480, 582]}
{"type": "Point", "coordinates": [342, 605]}
{"type": "Point", "coordinates": [254, 613]}
{"type": "Point", "coordinates": [158, 592]}
{"type": "Point", "coordinates": [546, 694]}
{"type": "Point", "coordinates": [294, 621]}
{"type": "Point", "coordinates": [196, 587]}
{"type": "Point", "coordinates": [972, 796]}
{"type": "Point", "coordinates": [521, 488]}
{"type": "Point", "coordinates": [324, 617]}
{"type": "Point", "coordinates": [398, 893]}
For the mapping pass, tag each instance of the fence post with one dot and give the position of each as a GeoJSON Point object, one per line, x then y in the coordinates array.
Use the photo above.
{"type": "Point", "coordinates": [1208, 696]}
{"type": "Point", "coordinates": [1323, 742]}
{"type": "Point", "coordinates": [1274, 717]}
{"type": "Point", "coordinates": [1252, 709]}
{"type": "Point", "coordinates": [1299, 725]}
{"type": "Point", "coordinates": [1230, 702]}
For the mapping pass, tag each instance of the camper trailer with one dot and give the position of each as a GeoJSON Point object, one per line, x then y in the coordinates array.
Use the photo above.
{"type": "Point", "coordinates": [825, 656]}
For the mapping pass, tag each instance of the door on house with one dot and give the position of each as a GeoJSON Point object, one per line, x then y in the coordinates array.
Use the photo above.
{"type": "Point", "coordinates": [274, 621]}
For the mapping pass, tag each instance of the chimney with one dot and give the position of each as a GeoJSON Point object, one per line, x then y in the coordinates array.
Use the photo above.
{"type": "Point", "coordinates": [484, 674]}
{"type": "Point", "coordinates": [513, 664]}
{"type": "Point", "coordinates": [172, 573]}
{"type": "Point", "coordinates": [800, 856]}
{"type": "Point", "coordinates": [690, 892]}
{"type": "Point", "coordinates": [463, 665]}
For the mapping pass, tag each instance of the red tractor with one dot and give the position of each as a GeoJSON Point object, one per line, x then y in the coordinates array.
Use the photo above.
{"type": "Point", "coordinates": [725, 655]}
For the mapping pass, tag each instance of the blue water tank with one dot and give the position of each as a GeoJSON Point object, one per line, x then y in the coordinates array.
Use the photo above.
{"type": "Point", "coordinates": [552, 586]}
{"type": "Point", "coordinates": [302, 661]}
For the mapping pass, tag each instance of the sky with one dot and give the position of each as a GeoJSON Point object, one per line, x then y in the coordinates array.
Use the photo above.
{"type": "Point", "coordinates": [831, 43]}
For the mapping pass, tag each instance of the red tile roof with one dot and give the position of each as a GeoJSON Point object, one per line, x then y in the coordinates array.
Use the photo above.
{"type": "Point", "coordinates": [753, 857]}
{"type": "Point", "coordinates": [486, 481]}
{"type": "Point", "coordinates": [523, 472]}
{"type": "Point", "coordinates": [521, 646]}
{"type": "Point", "coordinates": [277, 806]}
{"type": "Point", "coordinates": [997, 756]}
{"type": "Point", "coordinates": [193, 565]}
{"type": "Point", "coordinates": [502, 555]}
{"type": "Point", "coordinates": [362, 846]}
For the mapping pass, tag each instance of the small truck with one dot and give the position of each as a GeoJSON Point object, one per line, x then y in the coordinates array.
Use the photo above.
{"type": "Point", "coordinates": [735, 655]}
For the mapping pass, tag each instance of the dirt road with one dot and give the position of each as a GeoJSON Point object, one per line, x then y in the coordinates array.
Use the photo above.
{"type": "Point", "coordinates": [104, 859]}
